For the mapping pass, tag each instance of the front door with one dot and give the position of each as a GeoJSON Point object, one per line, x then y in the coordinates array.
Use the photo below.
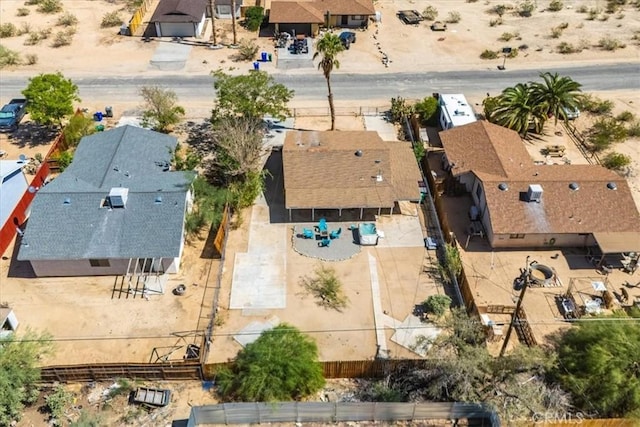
{"type": "Point", "coordinates": [345, 19]}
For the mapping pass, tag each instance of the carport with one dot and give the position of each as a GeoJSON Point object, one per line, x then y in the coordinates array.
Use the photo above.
{"type": "Point", "coordinates": [625, 244]}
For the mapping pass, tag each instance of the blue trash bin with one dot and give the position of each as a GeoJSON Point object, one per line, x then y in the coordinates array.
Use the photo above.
{"type": "Point", "coordinates": [98, 116]}
{"type": "Point", "coordinates": [263, 56]}
{"type": "Point", "coordinates": [256, 65]}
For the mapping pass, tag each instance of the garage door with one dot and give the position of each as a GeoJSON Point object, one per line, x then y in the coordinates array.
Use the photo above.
{"type": "Point", "coordinates": [296, 28]}
{"type": "Point", "coordinates": [170, 29]}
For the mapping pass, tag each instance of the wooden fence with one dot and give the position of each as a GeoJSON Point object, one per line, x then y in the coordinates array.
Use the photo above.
{"type": "Point", "coordinates": [138, 16]}
{"type": "Point", "coordinates": [110, 371]}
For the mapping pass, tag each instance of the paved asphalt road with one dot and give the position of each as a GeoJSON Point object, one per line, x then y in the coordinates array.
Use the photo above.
{"type": "Point", "coordinates": [311, 86]}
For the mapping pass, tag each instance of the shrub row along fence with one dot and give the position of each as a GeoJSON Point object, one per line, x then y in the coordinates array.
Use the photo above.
{"type": "Point", "coordinates": [340, 111]}
{"type": "Point", "coordinates": [325, 412]}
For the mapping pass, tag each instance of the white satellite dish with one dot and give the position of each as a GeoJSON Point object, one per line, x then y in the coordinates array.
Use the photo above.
{"type": "Point", "coordinates": [32, 189]}
{"type": "Point", "coordinates": [22, 158]}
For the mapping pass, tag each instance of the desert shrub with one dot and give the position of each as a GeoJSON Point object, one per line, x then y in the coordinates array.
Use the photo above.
{"type": "Point", "coordinates": [253, 18]}
{"type": "Point", "coordinates": [616, 161]}
{"type": "Point", "coordinates": [605, 132]}
{"type": "Point", "coordinates": [513, 53]}
{"type": "Point", "coordinates": [523, 47]}
{"type": "Point", "coordinates": [494, 22]}
{"type": "Point", "coordinates": [525, 8]}
{"type": "Point", "coordinates": [31, 2]}
{"type": "Point", "coordinates": [33, 39]}
{"type": "Point", "coordinates": [592, 14]}
{"type": "Point", "coordinates": [633, 130]}
{"type": "Point", "coordinates": [603, 18]}
{"type": "Point", "coordinates": [437, 305]}
{"type": "Point", "coordinates": [625, 116]}
{"type": "Point", "coordinates": [582, 9]}
{"type": "Point", "coordinates": [67, 19]}
{"type": "Point", "coordinates": [22, 11]}
{"type": "Point", "coordinates": [499, 9]}
{"type": "Point", "coordinates": [247, 50]}
{"type": "Point", "coordinates": [610, 44]}
{"type": "Point", "coordinates": [556, 32]}
{"type": "Point", "coordinates": [25, 28]}
{"type": "Point", "coordinates": [8, 30]}
{"type": "Point", "coordinates": [49, 6]}
{"type": "Point", "coordinates": [56, 403]}
{"type": "Point", "coordinates": [63, 38]}
{"type": "Point", "coordinates": [505, 37]}
{"type": "Point", "coordinates": [430, 13]}
{"type": "Point", "coordinates": [111, 19]}
{"type": "Point", "coordinates": [556, 6]}
{"type": "Point", "coordinates": [564, 25]}
{"type": "Point", "coordinates": [453, 17]}
{"type": "Point", "coordinates": [595, 105]}
{"type": "Point", "coordinates": [489, 54]}
{"type": "Point", "coordinates": [567, 48]}
{"type": "Point", "coordinates": [8, 57]}
{"type": "Point", "coordinates": [31, 58]}
{"type": "Point", "coordinates": [612, 6]}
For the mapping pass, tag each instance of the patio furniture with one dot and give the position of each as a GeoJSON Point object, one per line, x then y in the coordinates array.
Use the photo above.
{"type": "Point", "coordinates": [322, 225]}
{"type": "Point", "coordinates": [569, 308]}
{"type": "Point", "coordinates": [335, 234]}
{"type": "Point", "coordinates": [324, 243]}
{"type": "Point", "coordinates": [307, 233]}
{"type": "Point", "coordinates": [592, 306]}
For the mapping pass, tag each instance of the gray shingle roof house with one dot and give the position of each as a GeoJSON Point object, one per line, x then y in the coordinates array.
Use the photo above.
{"type": "Point", "coordinates": [179, 18]}
{"type": "Point", "coordinates": [117, 204]}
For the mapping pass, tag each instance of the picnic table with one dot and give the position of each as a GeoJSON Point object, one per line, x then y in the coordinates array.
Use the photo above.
{"type": "Point", "coordinates": [555, 150]}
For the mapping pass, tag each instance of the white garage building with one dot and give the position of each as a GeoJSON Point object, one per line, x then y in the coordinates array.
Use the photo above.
{"type": "Point", "coordinates": [180, 18]}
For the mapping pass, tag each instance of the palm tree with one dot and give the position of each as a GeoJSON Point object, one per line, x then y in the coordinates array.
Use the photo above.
{"type": "Point", "coordinates": [329, 46]}
{"type": "Point", "coordinates": [556, 95]}
{"type": "Point", "coordinates": [515, 109]}
{"type": "Point", "coordinates": [233, 21]}
{"type": "Point", "coordinates": [212, 6]}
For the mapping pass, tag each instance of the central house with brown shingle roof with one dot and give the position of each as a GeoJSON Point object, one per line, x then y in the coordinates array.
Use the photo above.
{"type": "Point", "coordinates": [523, 204]}
{"type": "Point", "coordinates": [306, 16]}
{"type": "Point", "coordinates": [347, 170]}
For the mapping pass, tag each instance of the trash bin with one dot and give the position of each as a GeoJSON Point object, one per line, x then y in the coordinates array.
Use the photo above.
{"type": "Point", "coordinates": [256, 65]}
{"type": "Point", "coordinates": [98, 116]}
{"type": "Point", "coordinates": [108, 111]}
{"type": "Point", "coordinates": [270, 57]}
{"type": "Point", "coordinates": [263, 56]}
{"type": "Point", "coordinates": [99, 128]}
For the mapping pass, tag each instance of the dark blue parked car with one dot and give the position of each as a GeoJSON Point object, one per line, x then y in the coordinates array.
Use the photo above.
{"type": "Point", "coordinates": [11, 114]}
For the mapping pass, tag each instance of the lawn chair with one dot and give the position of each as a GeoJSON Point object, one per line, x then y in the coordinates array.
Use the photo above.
{"type": "Point", "coordinates": [308, 233]}
{"type": "Point", "coordinates": [335, 234]}
{"type": "Point", "coordinates": [322, 225]}
{"type": "Point", "coordinates": [324, 243]}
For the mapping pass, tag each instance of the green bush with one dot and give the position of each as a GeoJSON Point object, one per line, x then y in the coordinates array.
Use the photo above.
{"type": "Point", "coordinates": [633, 130]}
{"type": "Point", "coordinates": [555, 6]}
{"type": "Point", "coordinates": [8, 30]}
{"type": "Point", "coordinates": [63, 38]}
{"type": "Point", "coordinates": [64, 159]}
{"type": "Point", "coordinates": [605, 132]}
{"type": "Point", "coordinates": [253, 18]}
{"type": "Point", "coordinates": [489, 54]}
{"type": "Point", "coordinates": [111, 19]}
{"type": "Point", "coordinates": [453, 17]}
{"type": "Point", "coordinates": [595, 105]}
{"type": "Point", "coordinates": [437, 305]}
{"type": "Point", "coordinates": [616, 161]}
{"type": "Point", "coordinates": [430, 13]}
{"type": "Point", "coordinates": [49, 6]}
{"type": "Point", "coordinates": [427, 109]}
{"type": "Point", "coordinates": [625, 116]}
{"type": "Point", "coordinates": [67, 19]}
{"type": "Point", "coordinates": [525, 8]}
{"type": "Point", "coordinates": [23, 11]}
{"type": "Point", "coordinates": [57, 402]}
{"type": "Point", "coordinates": [8, 57]}
{"type": "Point", "coordinates": [505, 37]}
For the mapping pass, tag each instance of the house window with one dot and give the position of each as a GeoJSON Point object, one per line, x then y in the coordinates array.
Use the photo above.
{"type": "Point", "coordinates": [99, 262]}
{"type": "Point", "coordinates": [357, 17]}
{"type": "Point", "coordinates": [516, 236]}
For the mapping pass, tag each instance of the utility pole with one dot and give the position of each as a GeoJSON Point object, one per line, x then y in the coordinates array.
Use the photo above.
{"type": "Point", "coordinates": [515, 313]}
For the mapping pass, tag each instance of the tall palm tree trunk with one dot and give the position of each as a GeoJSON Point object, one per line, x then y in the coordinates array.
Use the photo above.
{"type": "Point", "coordinates": [233, 21]}
{"type": "Point", "coordinates": [331, 107]}
{"type": "Point", "coordinates": [212, 6]}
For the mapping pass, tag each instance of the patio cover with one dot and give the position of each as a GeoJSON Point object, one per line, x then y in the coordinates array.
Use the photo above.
{"type": "Point", "coordinates": [618, 242]}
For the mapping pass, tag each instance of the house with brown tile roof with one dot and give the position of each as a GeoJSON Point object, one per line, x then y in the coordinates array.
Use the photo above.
{"type": "Point", "coordinates": [347, 170]}
{"type": "Point", "coordinates": [306, 16]}
{"type": "Point", "coordinates": [179, 18]}
{"type": "Point", "coordinates": [522, 204]}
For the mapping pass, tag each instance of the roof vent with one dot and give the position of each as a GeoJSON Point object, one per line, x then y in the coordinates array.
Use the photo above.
{"type": "Point", "coordinates": [118, 197]}
{"type": "Point", "coordinates": [534, 194]}
{"type": "Point", "coordinates": [503, 186]}
{"type": "Point", "coordinates": [67, 201]}
{"type": "Point", "coordinates": [116, 168]}
{"type": "Point", "coordinates": [358, 153]}
{"type": "Point", "coordinates": [158, 200]}
{"type": "Point", "coordinates": [574, 186]}
{"type": "Point", "coordinates": [612, 186]}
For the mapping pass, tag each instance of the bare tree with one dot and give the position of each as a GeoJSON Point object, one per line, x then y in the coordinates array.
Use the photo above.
{"type": "Point", "coordinates": [238, 146]}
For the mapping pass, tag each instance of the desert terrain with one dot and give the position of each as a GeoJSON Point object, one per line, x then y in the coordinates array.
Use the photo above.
{"type": "Point", "coordinates": [95, 52]}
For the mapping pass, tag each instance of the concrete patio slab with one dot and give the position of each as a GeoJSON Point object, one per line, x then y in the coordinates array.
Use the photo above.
{"type": "Point", "coordinates": [400, 231]}
{"type": "Point", "coordinates": [253, 330]}
{"type": "Point", "coordinates": [380, 124]}
{"type": "Point", "coordinates": [412, 331]}
{"type": "Point", "coordinates": [170, 56]}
